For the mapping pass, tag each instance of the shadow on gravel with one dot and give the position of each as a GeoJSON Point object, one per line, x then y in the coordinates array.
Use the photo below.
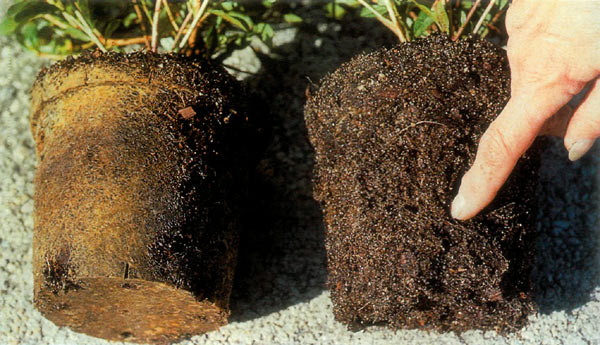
{"type": "Point", "coordinates": [568, 247]}
{"type": "Point", "coordinates": [282, 258]}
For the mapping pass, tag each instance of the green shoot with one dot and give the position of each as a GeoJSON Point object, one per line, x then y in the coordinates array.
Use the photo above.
{"type": "Point", "coordinates": [410, 19]}
{"type": "Point", "coordinates": [56, 28]}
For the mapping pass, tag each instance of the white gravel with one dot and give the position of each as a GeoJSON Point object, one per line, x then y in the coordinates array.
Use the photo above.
{"type": "Point", "coordinates": [297, 309]}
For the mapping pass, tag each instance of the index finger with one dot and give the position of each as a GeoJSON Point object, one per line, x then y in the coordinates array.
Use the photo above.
{"type": "Point", "coordinates": [501, 146]}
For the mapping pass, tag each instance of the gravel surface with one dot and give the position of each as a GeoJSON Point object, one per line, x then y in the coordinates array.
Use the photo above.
{"type": "Point", "coordinates": [279, 295]}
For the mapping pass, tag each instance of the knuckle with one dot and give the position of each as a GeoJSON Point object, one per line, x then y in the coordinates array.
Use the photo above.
{"type": "Point", "coordinates": [538, 65]}
{"type": "Point", "coordinates": [541, 78]}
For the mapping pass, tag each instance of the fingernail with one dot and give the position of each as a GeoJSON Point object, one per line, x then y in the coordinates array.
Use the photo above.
{"type": "Point", "coordinates": [457, 209]}
{"type": "Point", "coordinates": [579, 148]}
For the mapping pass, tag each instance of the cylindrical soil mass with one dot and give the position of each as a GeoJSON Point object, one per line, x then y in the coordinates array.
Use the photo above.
{"type": "Point", "coordinates": [393, 131]}
{"type": "Point", "coordinates": [142, 161]}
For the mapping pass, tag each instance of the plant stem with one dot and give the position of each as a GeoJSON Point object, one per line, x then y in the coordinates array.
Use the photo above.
{"type": "Point", "coordinates": [182, 27]}
{"type": "Point", "coordinates": [138, 12]}
{"type": "Point", "coordinates": [493, 21]}
{"type": "Point", "coordinates": [83, 25]}
{"type": "Point", "coordinates": [469, 15]}
{"type": "Point", "coordinates": [55, 21]}
{"type": "Point", "coordinates": [89, 31]}
{"type": "Point", "coordinates": [450, 17]}
{"type": "Point", "coordinates": [57, 4]}
{"type": "Point", "coordinates": [50, 56]}
{"type": "Point", "coordinates": [155, 25]}
{"type": "Point", "coordinates": [194, 32]}
{"type": "Point", "coordinates": [94, 30]}
{"type": "Point", "coordinates": [497, 16]}
{"type": "Point", "coordinates": [483, 15]}
{"type": "Point", "coordinates": [384, 21]}
{"type": "Point", "coordinates": [170, 15]}
{"type": "Point", "coordinates": [197, 17]}
{"type": "Point", "coordinates": [146, 11]}
{"type": "Point", "coordinates": [192, 39]}
{"type": "Point", "coordinates": [392, 13]}
{"type": "Point", "coordinates": [111, 42]}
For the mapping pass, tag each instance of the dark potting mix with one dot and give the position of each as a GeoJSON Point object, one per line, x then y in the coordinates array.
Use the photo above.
{"type": "Point", "coordinates": [394, 131]}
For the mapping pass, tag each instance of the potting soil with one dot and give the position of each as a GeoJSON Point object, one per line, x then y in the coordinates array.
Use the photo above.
{"type": "Point", "coordinates": [393, 131]}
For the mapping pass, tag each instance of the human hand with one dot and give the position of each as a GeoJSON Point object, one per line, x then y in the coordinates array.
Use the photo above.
{"type": "Point", "coordinates": [553, 51]}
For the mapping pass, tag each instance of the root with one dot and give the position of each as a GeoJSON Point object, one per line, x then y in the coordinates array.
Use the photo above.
{"type": "Point", "coordinates": [413, 125]}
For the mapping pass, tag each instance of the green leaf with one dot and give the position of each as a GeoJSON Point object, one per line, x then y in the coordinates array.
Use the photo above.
{"type": "Point", "coordinates": [424, 9]}
{"type": "Point", "coordinates": [210, 39]}
{"type": "Point", "coordinates": [45, 31]}
{"type": "Point", "coordinates": [229, 18]}
{"type": "Point", "coordinates": [239, 41]}
{"type": "Point", "coordinates": [66, 48]}
{"type": "Point", "coordinates": [77, 34]}
{"type": "Point", "coordinates": [265, 31]}
{"type": "Point", "coordinates": [8, 26]}
{"type": "Point", "coordinates": [503, 4]}
{"type": "Point", "coordinates": [292, 18]}
{"type": "Point", "coordinates": [85, 9]}
{"type": "Point", "coordinates": [228, 5]}
{"type": "Point", "coordinates": [463, 17]}
{"type": "Point", "coordinates": [57, 45]}
{"type": "Point", "coordinates": [246, 19]}
{"type": "Point", "coordinates": [69, 8]}
{"type": "Point", "coordinates": [467, 4]}
{"type": "Point", "coordinates": [49, 48]}
{"type": "Point", "coordinates": [30, 36]}
{"type": "Point", "coordinates": [422, 23]}
{"type": "Point", "coordinates": [348, 3]}
{"type": "Point", "coordinates": [268, 3]}
{"type": "Point", "coordinates": [32, 9]}
{"type": "Point", "coordinates": [267, 34]}
{"type": "Point", "coordinates": [441, 16]}
{"type": "Point", "coordinates": [335, 10]}
{"type": "Point", "coordinates": [129, 19]}
{"type": "Point", "coordinates": [15, 9]}
{"type": "Point", "coordinates": [111, 27]}
{"type": "Point", "coordinates": [366, 13]}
